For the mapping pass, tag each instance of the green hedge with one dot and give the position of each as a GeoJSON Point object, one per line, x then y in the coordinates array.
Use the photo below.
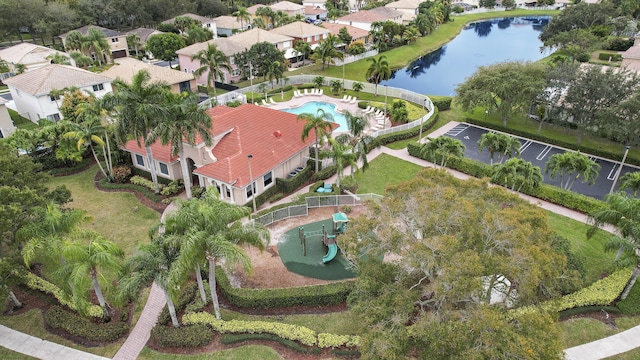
{"type": "Point", "coordinates": [290, 185]}
{"type": "Point", "coordinates": [277, 91]}
{"type": "Point", "coordinates": [325, 173]}
{"type": "Point", "coordinates": [631, 305]}
{"type": "Point", "coordinates": [316, 295]}
{"type": "Point", "coordinates": [236, 338]}
{"type": "Point", "coordinates": [58, 318]}
{"type": "Point", "coordinates": [191, 336]}
{"type": "Point", "coordinates": [614, 56]}
{"type": "Point", "coordinates": [139, 188]}
{"type": "Point", "coordinates": [186, 296]}
{"type": "Point", "coordinates": [561, 143]}
{"type": "Point", "coordinates": [63, 171]}
{"type": "Point", "coordinates": [403, 135]}
{"type": "Point", "coordinates": [588, 309]}
{"type": "Point", "coordinates": [442, 103]}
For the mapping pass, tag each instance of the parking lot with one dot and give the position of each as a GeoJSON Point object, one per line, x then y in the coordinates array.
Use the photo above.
{"type": "Point", "coordinates": [538, 154]}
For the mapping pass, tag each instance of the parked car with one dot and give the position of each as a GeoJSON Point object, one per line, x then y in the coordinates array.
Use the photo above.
{"type": "Point", "coordinates": [317, 22]}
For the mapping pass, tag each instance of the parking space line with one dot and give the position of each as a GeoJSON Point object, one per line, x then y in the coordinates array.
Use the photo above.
{"type": "Point", "coordinates": [525, 146]}
{"type": "Point", "coordinates": [544, 152]}
{"type": "Point", "coordinates": [457, 130]}
{"type": "Point", "coordinates": [612, 173]}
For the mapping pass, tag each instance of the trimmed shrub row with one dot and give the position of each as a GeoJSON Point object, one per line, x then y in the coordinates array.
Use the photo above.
{"type": "Point", "coordinates": [58, 318]}
{"type": "Point", "coordinates": [236, 338]}
{"type": "Point", "coordinates": [195, 335]}
{"type": "Point", "coordinates": [443, 104]}
{"type": "Point", "coordinates": [325, 173]}
{"type": "Point", "coordinates": [290, 185]}
{"type": "Point", "coordinates": [316, 295]}
{"type": "Point", "coordinates": [561, 143]}
{"type": "Point", "coordinates": [613, 56]}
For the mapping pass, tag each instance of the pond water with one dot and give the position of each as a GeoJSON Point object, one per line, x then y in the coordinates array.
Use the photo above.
{"type": "Point", "coordinates": [480, 43]}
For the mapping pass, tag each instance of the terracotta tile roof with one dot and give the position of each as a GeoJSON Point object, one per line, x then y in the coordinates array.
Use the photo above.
{"type": "Point", "coordinates": [369, 16]}
{"type": "Point", "coordinates": [355, 32]}
{"type": "Point", "coordinates": [126, 68]}
{"type": "Point", "coordinates": [28, 53]}
{"type": "Point", "coordinates": [42, 80]}
{"type": "Point", "coordinates": [85, 30]}
{"type": "Point", "coordinates": [286, 6]}
{"type": "Point", "coordinates": [227, 45]}
{"type": "Point", "coordinates": [202, 19]}
{"type": "Point", "coordinates": [299, 29]}
{"type": "Point", "coordinates": [312, 10]}
{"type": "Point", "coordinates": [632, 53]}
{"type": "Point", "coordinates": [144, 33]}
{"type": "Point", "coordinates": [160, 152]}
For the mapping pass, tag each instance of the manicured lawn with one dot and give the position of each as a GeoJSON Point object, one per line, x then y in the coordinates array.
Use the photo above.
{"type": "Point", "coordinates": [342, 323]}
{"type": "Point", "coordinates": [118, 216]}
{"type": "Point", "coordinates": [21, 122]}
{"type": "Point", "coordinates": [32, 323]}
{"type": "Point", "coordinates": [580, 331]}
{"type": "Point", "coordinates": [242, 353]}
{"type": "Point", "coordinates": [384, 170]}
{"type": "Point", "coordinates": [6, 354]}
{"type": "Point", "coordinates": [630, 355]}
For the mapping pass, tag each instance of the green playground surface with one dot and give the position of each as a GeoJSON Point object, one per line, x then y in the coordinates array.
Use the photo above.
{"type": "Point", "coordinates": [291, 254]}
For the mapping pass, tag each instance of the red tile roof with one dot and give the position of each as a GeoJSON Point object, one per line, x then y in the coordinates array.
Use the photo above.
{"type": "Point", "coordinates": [159, 152]}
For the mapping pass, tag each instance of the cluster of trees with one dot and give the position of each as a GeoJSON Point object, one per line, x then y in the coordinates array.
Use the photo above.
{"type": "Point", "coordinates": [452, 272]}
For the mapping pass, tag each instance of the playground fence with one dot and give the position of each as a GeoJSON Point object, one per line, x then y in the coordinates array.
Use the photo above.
{"type": "Point", "coordinates": [315, 202]}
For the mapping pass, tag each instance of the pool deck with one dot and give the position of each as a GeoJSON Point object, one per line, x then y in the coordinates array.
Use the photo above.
{"type": "Point", "coordinates": [340, 107]}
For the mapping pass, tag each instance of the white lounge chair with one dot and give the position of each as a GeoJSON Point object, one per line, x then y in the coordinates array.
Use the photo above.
{"type": "Point", "coordinates": [271, 101]}
{"type": "Point", "coordinates": [295, 93]}
{"type": "Point", "coordinates": [367, 110]}
{"type": "Point", "coordinates": [354, 100]}
{"type": "Point", "coordinates": [320, 92]}
{"type": "Point", "coordinates": [264, 103]}
{"type": "Point", "coordinates": [344, 98]}
{"type": "Point", "coordinates": [305, 92]}
{"type": "Point", "coordinates": [314, 92]}
{"type": "Point", "coordinates": [348, 99]}
{"type": "Point", "coordinates": [255, 103]}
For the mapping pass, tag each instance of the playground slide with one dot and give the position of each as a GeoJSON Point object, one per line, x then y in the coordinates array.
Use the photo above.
{"type": "Point", "coordinates": [333, 251]}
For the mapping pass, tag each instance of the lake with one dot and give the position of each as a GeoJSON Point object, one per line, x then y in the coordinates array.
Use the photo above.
{"type": "Point", "coordinates": [480, 43]}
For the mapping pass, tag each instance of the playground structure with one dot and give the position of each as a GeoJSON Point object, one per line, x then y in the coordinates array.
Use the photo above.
{"type": "Point", "coordinates": [339, 221]}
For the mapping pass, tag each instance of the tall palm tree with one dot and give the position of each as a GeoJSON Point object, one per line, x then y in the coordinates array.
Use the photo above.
{"type": "Point", "coordinates": [74, 40]}
{"type": "Point", "coordinates": [357, 138]}
{"type": "Point", "coordinates": [151, 263]}
{"type": "Point", "coordinates": [321, 126]}
{"type": "Point", "coordinates": [87, 133]}
{"type": "Point", "coordinates": [303, 49]}
{"type": "Point", "coordinates": [90, 261]}
{"type": "Point", "coordinates": [500, 144]}
{"type": "Point", "coordinates": [95, 41]}
{"type": "Point", "coordinates": [214, 231]}
{"type": "Point", "coordinates": [138, 107]}
{"type": "Point", "coordinates": [275, 72]}
{"type": "Point", "coordinates": [631, 181]}
{"type": "Point", "coordinates": [212, 61]}
{"type": "Point", "coordinates": [133, 41]}
{"type": "Point", "coordinates": [378, 70]}
{"type": "Point", "coordinates": [93, 111]}
{"type": "Point", "coordinates": [623, 212]}
{"type": "Point", "coordinates": [572, 165]}
{"type": "Point", "coordinates": [185, 121]}
{"type": "Point", "coordinates": [197, 34]}
{"type": "Point", "coordinates": [242, 15]}
{"type": "Point", "coordinates": [328, 50]}
{"type": "Point", "coordinates": [443, 148]}
{"type": "Point", "coordinates": [58, 58]}
{"type": "Point", "coordinates": [343, 156]}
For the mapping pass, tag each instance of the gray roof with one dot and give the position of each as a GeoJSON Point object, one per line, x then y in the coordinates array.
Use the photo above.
{"type": "Point", "coordinates": [85, 30]}
{"type": "Point", "coordinates": [144, 33]}
{"type": "Point", "coordinates": [41, 81]}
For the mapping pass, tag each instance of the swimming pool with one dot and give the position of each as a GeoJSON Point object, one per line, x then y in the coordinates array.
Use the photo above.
{"type": "Point", "coordinates": [312, 108]}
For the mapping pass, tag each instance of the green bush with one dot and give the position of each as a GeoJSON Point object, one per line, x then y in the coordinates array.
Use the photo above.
{"type": "Point", "coordinates": [363, 104]}
{"type": "Point", "coordinates": [631, 305]}
{"type": "Point", "coordinates": [276, 197]}
{"type": "Point", "coordinates": [147, 175]}
{"type": "Point", "coordinates": [173, 188]}
{"type": "Point", "coordinates": [141, 189]}
{"type": "Point", "coordinates": [348, 183]}
{"type": "Point", "coordinates": [287, 186]}
{"type": "Point", "coordinates": [316, 295]}
{"type": "Point", "coordinates": [331, 340]}
{"type": "Point", "coordinates": [58, 318]}
{"type": "Point", "coordinates": [618, 44]}
{"type": "Point", "coordinates": [233, 104]}
{"type": "Point", "coordinates": [186, 296]}
{"type": "Point", "coordinates": [237, 338]}
{"type": "Point", "coordinates": [613, 56]}
{"type": "Point", "coordinates": [121, 174]}
{"type": "Point", "coordinates": [325, 173]}
{"type": "Point", "coordinates": [63, 171]}
{"type": "Point", "coordinates": [190, 336]}
{"type": "Point", "coordinates": [443, 103]}
{"type": "Point", "coordinates": [280, 89]}
{"type": "Point", "coordinates": [139, 180]}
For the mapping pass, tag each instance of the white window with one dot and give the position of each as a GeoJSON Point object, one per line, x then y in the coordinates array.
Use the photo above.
{"type": "Point", "coordinates": [55, 117]}
{"type": "Point", "coordinates": [268, 179]}
{"type": "Point", "coordinates": [164, 169]}
{"type": "Point", "coordinates": [98, 87]}
{"type": "Point", "coordinates": [235, 72]}
{"type": "Point", "coordinates": [54, 98]}
{"type": "Point", "coordinates": [139, 160]}
{"type": "Point", "coordinates": [115, 40]}
{"type": "Point", "coordinates": [228, 192]}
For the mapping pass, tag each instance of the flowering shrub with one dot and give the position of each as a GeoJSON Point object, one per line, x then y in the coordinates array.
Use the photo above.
{"type": "Point", "coordinates": [121, 174]}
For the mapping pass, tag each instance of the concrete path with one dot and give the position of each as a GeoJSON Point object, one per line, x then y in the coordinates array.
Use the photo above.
{"type": "Point", "coordinates": [39, 348]}
{"type": "Point", "coordinates": [603, 348]}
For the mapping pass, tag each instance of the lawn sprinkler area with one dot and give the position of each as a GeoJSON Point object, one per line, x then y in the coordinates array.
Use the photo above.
{"type": "Point", "coordinates": [292, 252]}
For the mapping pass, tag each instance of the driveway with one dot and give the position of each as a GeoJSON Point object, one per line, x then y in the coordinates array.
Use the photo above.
{"type": "Point", "coordinates": [538, 154]}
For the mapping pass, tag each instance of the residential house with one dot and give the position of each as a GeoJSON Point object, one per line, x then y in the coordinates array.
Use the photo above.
{"type": "Point", "coordinates": [631, 58]}
{"type": "Point", "coordinates": [287, 7]}
{"type": "Point", "coordinates": [364, 18]}
{"type": "Point", "coordinates": [143, 34]}
{"type": "Point", "coordinates": [319, 4]}
{"type": "Point", "coordinates": [231, 46]}
{"type": "Point", "coordinates": [6, 124]}
{"type": "Point", "coordinates": [126, 68]}
{"type": "Point", "coordinates": [301, 31]}
{"type": "Point", "coordinates": [273, 143]}
{"type": "Point", "coordinates": [31, 90]}
{"type": "Point", "coordinates": [30, 55]}
{"type": "Point", "coordinates": [117, 42]}
{"type": "Point", "coordinates": [409, 8]}
{"type": "Point", "coordinates": [357, 35]}
{"type": "Point", "coordinates": [207, 23]}
{"type": "Point", "coordinates": [228, 25]}
{"type": "Point", "coordinates": [315, 13]}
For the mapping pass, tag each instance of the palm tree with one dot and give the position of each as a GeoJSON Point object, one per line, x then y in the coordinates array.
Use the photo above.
{"type": "Point", "coordinates": [93, 111]}
{"type": "Point", "coordinates": [343, 156]}
{"type": "Point", "coordinates": [151, 263]}
{"type": "Point", "coordinates": [259, 23]}
{"type": "Point", "coordinates": [501, 144]}
{"type": "Point", "coordinates": [572, 165]}
{"type": "Point", "coordinates": [184, 122]}
{"type": "Point", "coordinates": [378, 71]}
{"type": "Point", "coordinates": [197, 34]}
{"type": "Point", "coordinates": [631, 181]}
{"type": "Point", "coordinates": [303, 49]}
{"type": "Point", "coordinates": [87, 133]}
{"type": "Point", "coordinates": [20, 68]}
{"type": "Point", "coordinates": [212, 61]}
{"type": "Point", "coordinates": [80, 59]}
{"type": "Point", "coordinates": [517, 172]}
{"type": "Point", "coordinates": [442, 147]}
{"type": "Point", "coordinates": [328, 50]}
{"type": "Point", "coordinates": [321, 124]}
{"type": "Point", "coordinates": [267, 15]}
{"type": "Point", "coordinates": [74, 40]}
{"type": "Point", "coordinates": [274, 72]}
{"type": "Point", "coordinates": [133, 41]}
{"type": "Point", "coordinates": [139, 106]}
{"type": "Point", "coordinates": [90, 261]}
{"type": "Point", "coordinates": [58, 58]}
{"type": "Point", "coordinates": [623, 212]}
{"type": "Point", "coordinates": [242, 15]}
{"type": "Point", "coordinates": [357, 138]}
{"type": "Point", "coordinates": [357, 87]}
{"type": "Point", "coordinates": [95, 40]}
{"type": "Point", "coordinates": [213, 231]}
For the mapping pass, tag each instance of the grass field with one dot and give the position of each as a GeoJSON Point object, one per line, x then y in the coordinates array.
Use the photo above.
{"type": "Point", "coordinates": [242, 353]}
{"type": "Point", "coordinates": [384, 170]}
{"type": "Point", "coordinates": [119, 216]}
{"type": "Point", "coordinates": [6, 354]}
{"type": "Point", "coordinates": [583, 330]}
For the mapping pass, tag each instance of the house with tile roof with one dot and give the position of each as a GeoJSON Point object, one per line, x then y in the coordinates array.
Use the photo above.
{"type": "Point", "coordinates": [357, 35]}
{"type": "Point", "coordinates": [315, 13]}
{"type": "Point", "coordinates": [364, 18]}
{"type": "Point", "coordinates": [289, 8]}
{"type": "Point", "coordinates": [207, 22]}
{"type": "Point", "coordinates": [117, 41]}
{"type": "Point", "coordinates": [270, 136]}
{"type": "Point", "coordinates": [31, 90]}
{"type": "Point", "coordinates": [125, 69]}
{"type": "Point", "coordinates": [409, 8]}
{"type": "Point", "coordinates": [30, 55]}
{"type": "Point", "coordinates": [631, 58]}
{"type": "Point", "coordinates": [143, 34]}
{"type": "Point", "coordinates": [6, 124]}
{"type": "Point", "coordinates": [302, 31]}
{"type": "Point", "coordinates": [231, 46]}
{"type": "Point", "coordinates": [318, 4]}
{"type": "Point", "coordinates": [228, 25]}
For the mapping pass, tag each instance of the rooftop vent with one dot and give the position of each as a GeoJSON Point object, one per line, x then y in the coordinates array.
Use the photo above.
{"type": "Point", "coordinates": [277, 134]}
